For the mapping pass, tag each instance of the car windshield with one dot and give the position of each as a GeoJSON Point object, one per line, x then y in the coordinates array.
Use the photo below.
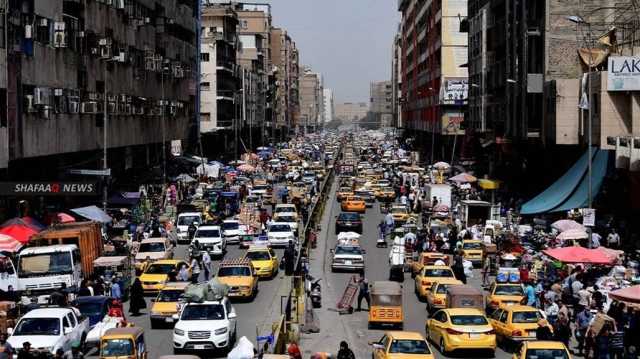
{"type": "Point", "coordinates": [354, 199]}
{"type": "Point", "coordinates": [203, 312]}
{"type": "Point", "coordinates": [151, 247]}
{"type": "Point", "coordinates": [208, 233]}
{"type": "Point", "coordinates": [157, 268]}
{"type": "Point", "coordinates": [442, 288]}
{"type": "Point", "coordinates": [91, 309]}
{"type": "Point", "coordinates": [234, 271]}
{"type": "Point", "coordinates": [349, 217]}
{"type": "Point", "coordinates": [46, 263]}
{"type": "Point", "coordinates": [546, 354]}
{"type": "Point", "coordinates": [116, 348]}
{"type": "Point", "coordinates": [38, 326]}
{"type": "Point", "coordinates": [258, 256]}
{"type": "Point", "coordinates": [471, 245]}
{"type": "Point", "coordinates": [531, 316]}
{"type": "Point", "coordinates": [279, 228]}
{"type": "Point", "coordinates": [285, 209]}
{"type": "Point", "coordinates": [468, 320]}
{"type": "Point", "coordinates": [187, 220]}
{"type": "Point", "coordinates": [169, 295]}
{"type": "Point", "coordinates": [445, 273]}
{"type": "Point", "coordinates": [286, 219]}
{"type": "Point", "coordinates": [386, 300]}
{"type": "Point", "coordinates": [345, 189]}
{"type": "Point", "coordinates": [401, 210]}
{"type": "Point", "coordinates": [409, 347]}
{"type": "Point", "coordinates": [260, 187]}
{"type": "Point", "coordinates": [349, 250]}
{"type": "Point", "coordinates": [230, 226]}
{"type": "Point", "coordinates": [509, 290]}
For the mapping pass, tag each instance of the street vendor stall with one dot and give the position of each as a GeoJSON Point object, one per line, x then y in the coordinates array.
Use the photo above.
{"type": "Point", "coordinates": [577, 254]}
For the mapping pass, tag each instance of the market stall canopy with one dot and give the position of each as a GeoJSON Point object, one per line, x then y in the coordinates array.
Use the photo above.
{"type": "Point", "coordinates": [93, 213]}
{"type": "Point", "coordinates": [442, 166]}
{"type": "Point", "coordinates": [19, 232]}
{"type": "Point", "coordinates": [567, 224]}
{"type": "Point", "coordinates": [463, 178]}
{"type": "Point", "coordinates": [208, 170]}
{"type": "Point", "coordinates": [24, 221]}
{"type": "Point", "coordinates": [246, 168]}
{"type": "Point", "coordinates": [9, 244]}
{"type": "Point", "coordinates": [64, 218]}
{"type": "Point", "coordinates": [572, 189]}
{"type": "Point", "coordinates": [488, 184]}
{"type": "Point", "coordinates": [579, 255]}
{"type": "Point", "coordinates": [628, 295]}
{"type": "Point", "coordinates": [185, 178]}
{"type": "Point", "coordinates": [573, 234]}
{"type": "Point", "coordinates": [614, 254]}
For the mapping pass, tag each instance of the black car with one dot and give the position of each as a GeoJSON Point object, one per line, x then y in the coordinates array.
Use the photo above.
{"type": "Point", "coordinates": [349, 222]}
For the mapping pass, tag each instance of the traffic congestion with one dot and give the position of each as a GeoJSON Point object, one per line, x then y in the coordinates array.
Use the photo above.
{"type": "Point", "coordinates": [333, 245]}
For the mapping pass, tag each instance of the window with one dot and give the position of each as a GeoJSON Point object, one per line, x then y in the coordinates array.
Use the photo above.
{"type": "Point", "coordinates": [204, 56]}
{"type": "Point", "coordinates": [2, 32]}
{"type": "Point", "coordinates": [503, 317]}
{"type": "Point", "coordinates": [205, 117]}
{"type": "Point", "coordinates": [248, 41]}
{"type": "Point", "coordinates": [65, 322]}
{"type": "Point", "coordinates": [245, 24]}
{"type": "Point", "coordinates": [205, 86]}
{"type": "Point", "coordinates": [72, 319]}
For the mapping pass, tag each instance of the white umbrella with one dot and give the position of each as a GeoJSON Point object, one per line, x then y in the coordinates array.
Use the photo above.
{"type": "Point", "coordinates": [348, 236]}
{"type": "Point", "coordinates": [573, 234]}
{"type": "Point", "coordinates": [441, 166]}
{"type": "Point", "coordinates": [567, 224]}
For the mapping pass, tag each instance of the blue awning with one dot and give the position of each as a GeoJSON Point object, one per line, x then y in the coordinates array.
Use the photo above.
{"type": "Point", "coordinates": [571, 190]}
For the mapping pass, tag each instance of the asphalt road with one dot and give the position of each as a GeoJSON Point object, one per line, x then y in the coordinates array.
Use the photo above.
{"type": "Point", "coordinates": [353, 327]}
{"type": "Point", "coordinates": [160, 341]}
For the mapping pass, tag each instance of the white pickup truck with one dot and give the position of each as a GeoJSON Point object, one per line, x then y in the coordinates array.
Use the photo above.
{"type": "Point", "coordinates": [205, 327]}
{"type": "Point", "coordinates": [50, 329]}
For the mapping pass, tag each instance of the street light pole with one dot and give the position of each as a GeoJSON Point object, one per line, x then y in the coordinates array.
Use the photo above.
{"type": "Point", "coordinates": [162, 126]}
{"type": "Point", "coordinates": [104, 142]}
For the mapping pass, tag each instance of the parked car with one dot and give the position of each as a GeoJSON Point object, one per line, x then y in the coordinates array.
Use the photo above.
{"type": "Point", "coordinates": [349, 222]}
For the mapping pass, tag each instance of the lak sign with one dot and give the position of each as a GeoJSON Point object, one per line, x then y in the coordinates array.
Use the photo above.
{"type": "Point", "coordinates": [624, 73]}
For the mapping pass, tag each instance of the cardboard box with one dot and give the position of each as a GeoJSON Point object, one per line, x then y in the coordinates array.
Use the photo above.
{"type": "Point", "coordinates": [6, 306]}
{"type": "Point", "coordinates": [599, 321]}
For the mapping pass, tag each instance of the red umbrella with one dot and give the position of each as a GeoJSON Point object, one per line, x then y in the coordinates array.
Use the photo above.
{"type": "Point", "coordinates": [629, 294]}
{"type": "Point", "coordinates": [65, 218]}
{"type": "Point", "coordinates": [9, 244]}
{"type": "Point", "coordinates": [579, 255]}
{"type": "Point", "coordinates": [19, 232]}
{"type": "Point", "coordinates": [24, 221]}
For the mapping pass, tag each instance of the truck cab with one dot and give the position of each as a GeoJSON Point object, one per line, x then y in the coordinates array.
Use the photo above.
{"type": "Point", "coordinates": [44, 269]}
{"type": "Point", "coordinates": [8, 274]}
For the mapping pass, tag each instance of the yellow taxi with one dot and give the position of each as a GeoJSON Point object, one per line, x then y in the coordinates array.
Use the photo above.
{"type": "Point", "coordinates": [240, 276]}
{"type": "Point", "coordinates": [516, 323]}
{"type": "Point", "coordinates": [425, 259]}
{"type": "Point", "coordinates": [542, 349]}
{"type": "Point", "coordinates": [156, 274]}
{"type": "Point", "coordinates": [166, 304]}
{"type": "Point", "coordinates": [343, 193]}
{"type": "Point", "coordinates": [353, 204]}
{"type": "Point", "coordinates": [437, 296]}
{"type": "Point", "coordinates": [385, 194]}
{"type": "Point", "coordinates": [264, 260]}
{"type": "Point", "coordinates": [400, 213]}
{"type": "Point", "coordinates": [429, 275]}
{"type": "Point", "coordinates": [504, 294]}
{"type": "Point", "coordinates": [401, 345]}
{"type": "Point", "coordinates": [461, 328]}
{"type": "Point", "coordinates": [472, 251]}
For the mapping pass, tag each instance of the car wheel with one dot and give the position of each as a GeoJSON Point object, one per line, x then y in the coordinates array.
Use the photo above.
{"type": "Point", "coordinates": [443, 348]}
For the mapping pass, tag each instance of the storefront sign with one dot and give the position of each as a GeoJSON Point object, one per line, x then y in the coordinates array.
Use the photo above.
{"type": "Point", "coordinates": [48, 189]}
{"type": "Point", "coordinates": [455, 91]}
{"type": "Point", "coordinates": [588, 217]}
{"type": "Point", "coordinates": [624, 73]}
{"type": "Point", "coordinates": [176, 147]}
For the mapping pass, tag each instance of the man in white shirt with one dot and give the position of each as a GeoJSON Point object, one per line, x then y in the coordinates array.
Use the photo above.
{"type": "Point", "coordinates": [613, 239]}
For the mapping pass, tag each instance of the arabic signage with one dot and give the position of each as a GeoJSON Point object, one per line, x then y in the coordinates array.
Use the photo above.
{"type": "Point", "coordinates": [48, 188]}
{"type": "Point", "coordinates": [455, 91]}
{"type": "Point", "coordinates": [624, 73]}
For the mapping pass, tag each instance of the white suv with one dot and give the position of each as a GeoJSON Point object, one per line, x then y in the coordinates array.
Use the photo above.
{"type": "Point", "coordinates": [205, 327]}
{"type": "Point", "coordinates": [231, 231]}
{"type": "Point", "coordinates": [210, 239]}
{"type": "Point", "coordinates": [183, 223]}
{"type": "Point", "coordinates": [279, 234]}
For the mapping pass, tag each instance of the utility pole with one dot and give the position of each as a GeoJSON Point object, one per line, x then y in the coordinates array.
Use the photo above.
{"type": "Point", "coordinates": [244, 102]}
{"type": "Point", "coordinates": [164, 152]}
{"type": "Point", "coordinates": [104, 142]}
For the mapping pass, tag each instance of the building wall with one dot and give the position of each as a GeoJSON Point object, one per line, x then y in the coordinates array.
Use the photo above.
{"type": "Point", "coordinates": [311, 102]}
{"type": "Point", "coordinates": [4, 148]}
{"type": "Point", "coordinates": [381, 102]}
{"type": "Point", "coordinates": [208, 89]}
{"type": "Point", "coordinates": [329, 105]}
{"type": "Point", "coordinates": [75, 67]}
{"type": "Point", "coordinates": [567, 116]}
{"type": "Point", "coordinates": [351, 111]}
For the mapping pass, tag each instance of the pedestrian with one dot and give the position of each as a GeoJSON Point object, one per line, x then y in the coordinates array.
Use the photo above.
{"type": "Point", "coordinates": [75, 352]}
{"type": "Point", "coordinates": [84, 290]}
{"type": "Point", "coordinates": [562, 329]}
{"type": "Point", "coordinates": [183, 274]}
{"type": "Point", "coordinates": [116, 291]}
{"type": "Point", "coordinates": [530, 294]}
{"type": "Point", "coordinates": [486, 269]}
{"type": "Point", "coordinates": [137, 298]}
{"type": "Point", "coordinates": [613, 239]}
{"type": "Point", "coordinates": [195, 270]}
{"type": "Point", "coordinates": [289, 258]}
{"type": "Point", "coordinates": [206, 264]}
{"type": "Point", "coordinates": [583, 319]}
{"type": "Point", "coordinates": [458, 267]}
{"type": "Point", "coordinates": [363, 292]}
{"type": "Point", "coordinates": [25, 352]}
{"type": "Point", "coordinates": [6, 350]}
{"type": "Point", "coordinates": [602, 343]}
{"type": "Point", "coordinates": [543, 332]}
{"type": "Point", "coordinates": [345, 352]}
{"type": "Point", "coordinates": [551, 310]}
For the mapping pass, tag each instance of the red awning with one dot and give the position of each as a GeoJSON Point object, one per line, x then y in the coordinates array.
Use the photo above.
{"type": "Point", "coordinates": [579, 255]}
{"type": "Point", "coordinates": [629, 294]}
{"type": "Point", "coordinates": [21, 233]}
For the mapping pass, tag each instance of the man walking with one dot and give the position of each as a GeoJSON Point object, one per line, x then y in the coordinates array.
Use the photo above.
{"type": "Point", "coordinates": [363, 292]}
{"type": "Point", "coordinates": [206, 264]}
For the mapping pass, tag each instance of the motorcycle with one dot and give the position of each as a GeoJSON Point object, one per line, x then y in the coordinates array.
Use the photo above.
{"type": "Point", "coordinates": [316, 294]}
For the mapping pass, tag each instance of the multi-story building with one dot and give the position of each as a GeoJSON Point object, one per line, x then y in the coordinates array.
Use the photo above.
{"type": "Point", "coordinates": [220, 76]}
{"type": "Point", "coordinates": [396, 79]}
{"type": "Point", "coordinates": [70, 63]}
{"type": "Point", "coordinates": [285, 69]}
{"type": "Point", "coordinates": [311, 100]}
{"type": "Point", "coordinates": [351, 112]}
{"type": "Point", "coordinates": [434, 75]}
{"type": "Point", "coordinates": [381, 102]}
{"type": "Point", "coordinates": [329, 105]}
{"type": "Point", "coordinates": [254, 56]}
{"type": "Point", "coordinates": [294, 80]}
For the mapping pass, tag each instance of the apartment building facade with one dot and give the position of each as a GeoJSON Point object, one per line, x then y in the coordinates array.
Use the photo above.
{"type": "Point", "coordinates": [381, 102]}
{"type": "Point", "coordinates": [285, 71]}
{"type": "Point", "coordinates": [329, 105]}
{"type": "Point", "coordinates": [70, 63]}
{"type": "Point", "coordinates": [396, 79]}
{"type": "Point", "coordinates": [311, 100]}
{"type": "Point", "coordinates": [434, 75]}
{"type": "Point", "coordinates": [351, 112]}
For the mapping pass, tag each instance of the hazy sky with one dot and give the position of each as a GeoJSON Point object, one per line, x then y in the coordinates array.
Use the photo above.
{"type": "Point", "coordinates": [348, 41]}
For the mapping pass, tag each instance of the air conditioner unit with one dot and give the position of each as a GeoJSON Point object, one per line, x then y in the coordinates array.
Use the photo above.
{"type": "Point", "coordinates": [80, 34]}
{"type": "Point", "coordinates": [60, 39]}
{"type": "Point", "coordinates": [147, 20]}
{"type": "Point", "coordinates": [105, 52]}
{"type": "Point", "coordinates": [45, 112]}
{"type": "Point", "coordinates": [112, 108]}
{"type": "Point", "coordinates": [57, 92]}
{"type": "Point", "coordinates": [29, 104]}
{"type": "Point", "coordinates": [74, 106]}
{"type": "Point", "coordinates": [44, 22]}
{"type": "Point", "coordinates": [93, 96]}
{"type": "Point", "coordinates": [41, 96]}
{"type": "Point", "coordinates": [121, 56]}
{"type": "Point", "coordinates": [111, 98]}
{"type": "Point", "coordinates": [104, 41]}
{"type": "Point", "coordinates": [90, 108]}
{"type": "Point", "coordinates": [28, 31]}
{"type": "Point", "coordinates": [122, 98]}
{"type": "Point", "coordinates": [149, 64]}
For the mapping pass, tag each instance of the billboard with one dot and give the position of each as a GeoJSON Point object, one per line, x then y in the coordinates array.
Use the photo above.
{"type": "Point", "coordinates": [624, 73]}
{"type": "Point", "coordinates": [455, 91]}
